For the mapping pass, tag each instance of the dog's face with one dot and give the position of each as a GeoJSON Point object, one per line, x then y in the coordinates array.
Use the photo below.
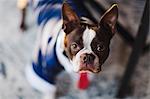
{"type": "Point", "coordinates": [86, 45]}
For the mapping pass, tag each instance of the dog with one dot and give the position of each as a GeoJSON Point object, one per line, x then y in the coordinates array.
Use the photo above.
{"type": "Point", "coordinates": [68, 40]}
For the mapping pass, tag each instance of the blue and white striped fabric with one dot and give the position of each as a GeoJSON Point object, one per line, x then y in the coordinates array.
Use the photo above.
{"type": "Point", "coordinates": [46, 63]}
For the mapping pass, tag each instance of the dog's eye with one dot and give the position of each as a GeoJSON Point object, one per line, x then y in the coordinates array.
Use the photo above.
{"type": "Point", "coordinates": [74, 46]}
{"type": "Point", "coordinates": [100, 47]}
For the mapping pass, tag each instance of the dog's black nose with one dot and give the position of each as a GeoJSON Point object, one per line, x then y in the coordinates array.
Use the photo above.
{"type": "Point", "coordinates": [88, 58]}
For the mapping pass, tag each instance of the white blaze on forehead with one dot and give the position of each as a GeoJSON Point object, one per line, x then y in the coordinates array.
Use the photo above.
{"type": "Point", "coordinates": [88, 36]}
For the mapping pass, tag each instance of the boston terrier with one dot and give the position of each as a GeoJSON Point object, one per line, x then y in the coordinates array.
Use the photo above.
{"type": "Point", "coordinates": [68, 40]}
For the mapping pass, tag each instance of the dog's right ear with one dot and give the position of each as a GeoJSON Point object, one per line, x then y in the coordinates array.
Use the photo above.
{"type": "Point", "coordinates": [109, 19]}
{"type": "Point", "coordinates": [70, 18]}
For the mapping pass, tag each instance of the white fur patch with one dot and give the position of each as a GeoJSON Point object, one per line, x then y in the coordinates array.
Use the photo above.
{"type": "Point", "coordinates": [88, 36]}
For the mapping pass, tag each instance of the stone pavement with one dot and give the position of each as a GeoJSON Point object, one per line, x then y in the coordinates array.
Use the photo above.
{"type": "Point", "coordinates": [15, 53]}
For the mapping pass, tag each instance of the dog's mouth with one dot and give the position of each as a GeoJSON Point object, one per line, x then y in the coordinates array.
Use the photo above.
{"type": "Point", "coordinates": [89, 71]}
{"type": "Point", "coordinates": [85, 71]}
{"type": "Point", "coordinates": [89, 68]}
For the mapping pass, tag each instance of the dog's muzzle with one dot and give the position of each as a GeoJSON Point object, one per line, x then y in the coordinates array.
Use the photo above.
{"type": "Point", "coordinates": [87, 62]}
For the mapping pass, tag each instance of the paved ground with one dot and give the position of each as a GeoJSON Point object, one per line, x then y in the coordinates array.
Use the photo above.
{"type": "Point", "coordinates": [16, 52]}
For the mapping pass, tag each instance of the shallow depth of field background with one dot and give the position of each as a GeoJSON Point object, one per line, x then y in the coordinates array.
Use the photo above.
{"type": "Point", "coordinates": [16, 48]}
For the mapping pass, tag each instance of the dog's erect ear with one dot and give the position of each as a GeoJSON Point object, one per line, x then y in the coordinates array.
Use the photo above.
{"type": "Point", "coordinates": [110, 17]}
{"type": "Point", "coordinates": [70, 18]}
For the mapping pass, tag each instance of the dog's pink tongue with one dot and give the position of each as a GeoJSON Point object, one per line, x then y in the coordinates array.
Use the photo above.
{"type": "Point", "coordinates": [83, 81]}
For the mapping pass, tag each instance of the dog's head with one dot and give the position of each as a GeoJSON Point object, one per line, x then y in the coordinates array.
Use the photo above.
{"type": "Point", "coordinates": [87, 45]}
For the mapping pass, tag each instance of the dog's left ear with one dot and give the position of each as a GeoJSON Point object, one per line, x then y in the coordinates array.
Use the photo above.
{"type": "Point", "coordinates": [70, 18]}
{"type": "Point", "coordinates": [109, 18]}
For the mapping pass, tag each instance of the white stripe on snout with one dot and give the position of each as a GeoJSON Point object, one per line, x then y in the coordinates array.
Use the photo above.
{"type": "Point", "coordinates": [88, 36]}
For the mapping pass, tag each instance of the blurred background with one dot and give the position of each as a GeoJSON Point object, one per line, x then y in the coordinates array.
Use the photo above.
{"type": "Point", "coordinates": [16, 48]}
